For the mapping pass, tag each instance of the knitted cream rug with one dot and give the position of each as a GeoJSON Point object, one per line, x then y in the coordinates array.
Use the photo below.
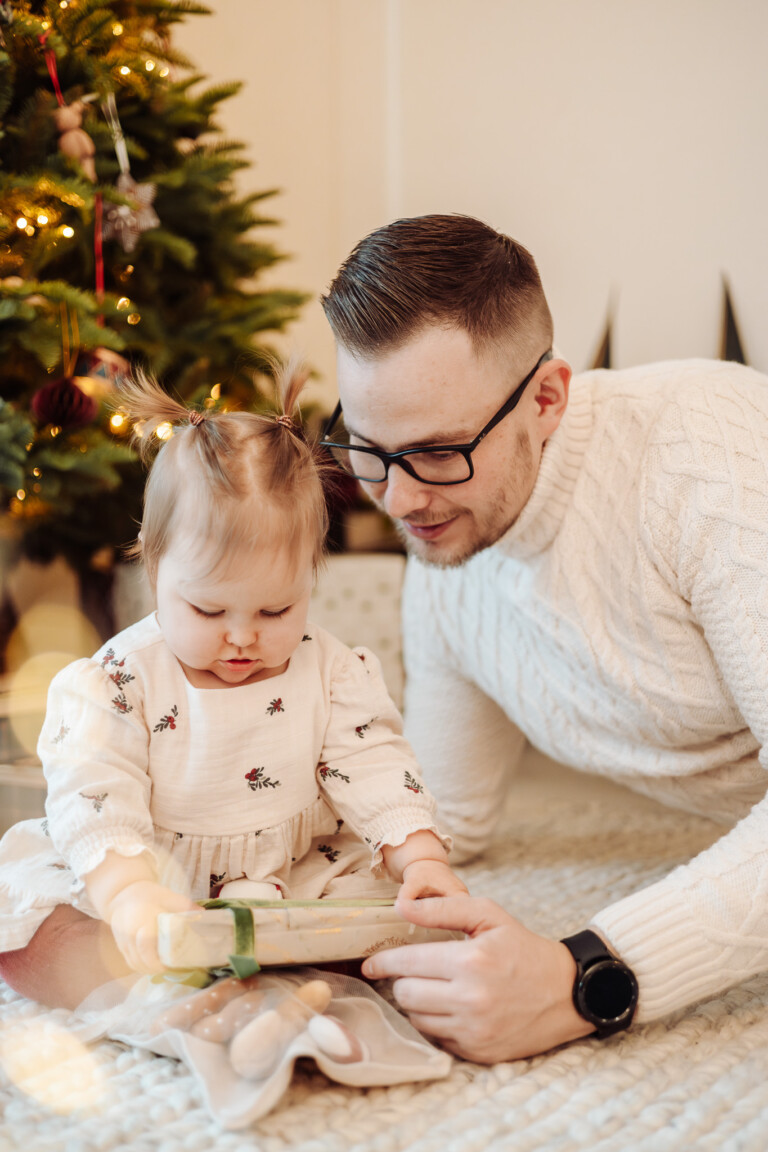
{"type": "Point", "coordinates": [699, 1081]}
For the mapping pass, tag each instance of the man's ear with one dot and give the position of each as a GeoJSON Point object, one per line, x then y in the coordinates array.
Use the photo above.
{"type": "Point", "coordinates": [551, 395]}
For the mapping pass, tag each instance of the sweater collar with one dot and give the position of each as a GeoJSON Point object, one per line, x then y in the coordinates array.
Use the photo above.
{"type": "Point", "coordinates": [561, 461]}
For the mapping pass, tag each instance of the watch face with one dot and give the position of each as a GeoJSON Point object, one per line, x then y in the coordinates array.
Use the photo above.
{"type": "Point", "coordinates": [607, 992]}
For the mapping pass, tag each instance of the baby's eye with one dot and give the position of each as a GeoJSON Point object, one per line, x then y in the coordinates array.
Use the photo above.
{"type": "Point", "coordinates": [276, 615]}
{"type": "Point", "coordinates": [208, 615]}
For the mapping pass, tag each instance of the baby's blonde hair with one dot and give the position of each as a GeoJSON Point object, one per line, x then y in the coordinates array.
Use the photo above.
{"type": "Point", "coordinates": [230, 480]}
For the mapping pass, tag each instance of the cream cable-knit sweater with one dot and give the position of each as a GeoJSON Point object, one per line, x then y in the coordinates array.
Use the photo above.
{"type": "Point", "coordinates": [622, 626]}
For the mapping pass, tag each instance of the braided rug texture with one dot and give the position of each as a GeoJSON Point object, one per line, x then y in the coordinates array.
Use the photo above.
{"type": "Point", "coordinates": [698, 1081]}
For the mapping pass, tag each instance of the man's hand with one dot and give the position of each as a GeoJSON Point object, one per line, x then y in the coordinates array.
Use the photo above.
{"type": "Point", "coordinates": [502, 994]}
{"type": "Point", "coordinates": [132, 916]}
{"type": "Point", "coordinates": [430, 878]}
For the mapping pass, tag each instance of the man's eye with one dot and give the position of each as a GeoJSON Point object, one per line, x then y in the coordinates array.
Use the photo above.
{"type": "Point", "coordinates": [444, 457]}
{"type": "Point", "coordinates": [208, 615]}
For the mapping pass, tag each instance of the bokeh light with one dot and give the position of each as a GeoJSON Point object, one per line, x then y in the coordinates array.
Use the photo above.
{"type": "Point", "coordinates": [52, 1066]}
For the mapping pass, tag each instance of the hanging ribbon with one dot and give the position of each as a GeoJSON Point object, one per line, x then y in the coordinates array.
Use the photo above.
{"type": "Point", "coordinates": [109, 108]}
{"type": "Point", "coordinates": [69, 351]}
{"type": "Point", "coordinates": [50, 60]}
{"type": "Point", "coordinates": [98, 256]}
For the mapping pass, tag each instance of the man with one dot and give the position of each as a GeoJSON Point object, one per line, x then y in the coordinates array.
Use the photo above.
{"type": "Point", "coordinates": [589, 570]}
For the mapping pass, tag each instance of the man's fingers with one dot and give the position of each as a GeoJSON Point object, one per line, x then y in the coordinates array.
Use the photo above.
{"type": "Point", "coordinates": [469, 914]}
{"type": "Point", "coordinates": [442, 1028]}
{"type": "Point", "coordinates": [435, 997]}
{"type": "Point", "coordinates": [433, 961]}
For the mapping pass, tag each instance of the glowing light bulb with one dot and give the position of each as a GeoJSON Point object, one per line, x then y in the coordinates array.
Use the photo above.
{"type": "Point", "coordinates": [150, 65]}
{"type": "Point", "coordinates": [216, 391]}
{"type": "Point", "coordinates": [117, 421]}
{"type": "Point", "coordinates": [164, 71]}
{"type": "Point", "coordinates": [125, 70]}
{"type": "Point", "coordinates": [67, 231]}
{"type": "Point", "coordinates": [42, 218]}
{"type": "Point", "coordinates": [21, 222]}
{"type": "Point", "coordinates": [117, 29]}
{"type": "Point", "coordinates": [20, 494]}
{"type": "Point", "coordinates": [134, 318]}
{"type": "Point", "coordinates": [164, 431]}
{"type": "Point", "coordinates": [123, 303]}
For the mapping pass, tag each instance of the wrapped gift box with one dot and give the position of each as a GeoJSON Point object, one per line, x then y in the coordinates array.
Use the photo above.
{"type": "Point", "coordinates": [285, 932]}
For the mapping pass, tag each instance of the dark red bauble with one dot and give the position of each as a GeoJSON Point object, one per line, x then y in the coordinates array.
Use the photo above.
{"type": "Point", "coordinates": [62, 402]}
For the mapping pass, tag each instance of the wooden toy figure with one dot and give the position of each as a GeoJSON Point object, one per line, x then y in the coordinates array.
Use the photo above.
{"type": "Point", "coordinates": [74, 141]}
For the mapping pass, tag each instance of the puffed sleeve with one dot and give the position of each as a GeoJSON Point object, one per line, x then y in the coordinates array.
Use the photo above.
{"type": "Point", "coordinates": [94, 750]}
{"type": "Point", "coordinates": [367, 768]}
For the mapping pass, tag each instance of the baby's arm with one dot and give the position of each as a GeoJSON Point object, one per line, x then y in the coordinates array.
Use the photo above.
{"type": "Point", "coordinates": [126, 893]}
{"type": "Point", "coordinates": [421, 864]}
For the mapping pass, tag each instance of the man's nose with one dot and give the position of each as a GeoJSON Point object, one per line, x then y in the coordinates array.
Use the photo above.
{"type": "Point", "coordinates": [403, 493]}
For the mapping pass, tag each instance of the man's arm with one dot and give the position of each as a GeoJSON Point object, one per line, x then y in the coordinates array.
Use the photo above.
{"type": "Point", "coordinates": [465, 744]}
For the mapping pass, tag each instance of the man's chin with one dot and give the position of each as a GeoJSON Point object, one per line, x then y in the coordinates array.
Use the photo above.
{"type": "Point", "coordinates": [439, 553]}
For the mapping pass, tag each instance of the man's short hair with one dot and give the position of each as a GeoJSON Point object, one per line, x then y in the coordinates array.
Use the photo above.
{"type": "Point", "coordinates": [448, 270]}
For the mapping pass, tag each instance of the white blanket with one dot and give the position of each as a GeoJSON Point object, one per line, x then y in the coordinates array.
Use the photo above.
{"type": "Point", "coordinates": [696, 1081]}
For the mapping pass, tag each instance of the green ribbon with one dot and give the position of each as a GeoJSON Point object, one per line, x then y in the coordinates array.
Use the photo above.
{"type": "Point", "coordinates": [243, 959]}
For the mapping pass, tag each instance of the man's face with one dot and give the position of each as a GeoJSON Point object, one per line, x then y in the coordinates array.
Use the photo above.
{"type": "Point", "coordinates": [437, 389]}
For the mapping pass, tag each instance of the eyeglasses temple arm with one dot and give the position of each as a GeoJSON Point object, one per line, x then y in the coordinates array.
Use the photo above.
{"type": "Point", "coordinates": [330, 423]}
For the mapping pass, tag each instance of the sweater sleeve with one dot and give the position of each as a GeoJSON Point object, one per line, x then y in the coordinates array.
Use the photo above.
{"type": "Point", "coordinates": [704, 927]}
{"type": "Point", "coordinates": [94, 751]}
{"type": "Point", "coordinates": [466, 745]}
{"type": "Point", "coordinates": [367, 769]}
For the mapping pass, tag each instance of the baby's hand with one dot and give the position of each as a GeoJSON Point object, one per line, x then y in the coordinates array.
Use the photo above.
{"type": "Point", "coordinates": [430, 878]}
{"type": "Point", "coordinates": [133, 916]}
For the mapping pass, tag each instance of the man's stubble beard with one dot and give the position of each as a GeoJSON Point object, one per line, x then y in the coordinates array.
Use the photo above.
{"type": "Point", "coordinates": [504, 508]}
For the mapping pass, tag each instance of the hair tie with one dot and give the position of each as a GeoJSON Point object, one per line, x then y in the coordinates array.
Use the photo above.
{"type": "Point", "coordinates": [285, 421]}
{"type": "Point", "coordinates": [196, 418]}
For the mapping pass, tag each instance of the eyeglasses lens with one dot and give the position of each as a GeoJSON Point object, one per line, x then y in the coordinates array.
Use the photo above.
{"type": "Point", "coordinates": [431, 467]}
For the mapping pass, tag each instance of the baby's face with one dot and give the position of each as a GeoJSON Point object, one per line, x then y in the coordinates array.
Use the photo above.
{"type": "Point", "coordinates": [239, 624]}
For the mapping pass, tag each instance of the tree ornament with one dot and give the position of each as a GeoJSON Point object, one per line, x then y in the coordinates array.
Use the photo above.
{"type": "Point", "coordinates": [100, 371]}
{"type": "Point", "coordinates": [124, 223]}
{"type": "Point", "coordinates": [63, 403]}
{"type": "Point", "coordinates": [74, 141]}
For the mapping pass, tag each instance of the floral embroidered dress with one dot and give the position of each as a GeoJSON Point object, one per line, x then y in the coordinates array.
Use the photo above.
{"type": "Point", "coordinates": [298, 779]}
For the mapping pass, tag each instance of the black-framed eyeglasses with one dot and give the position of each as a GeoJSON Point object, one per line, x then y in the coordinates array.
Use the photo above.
{"type": "Point", "coordinates": [434, 464]}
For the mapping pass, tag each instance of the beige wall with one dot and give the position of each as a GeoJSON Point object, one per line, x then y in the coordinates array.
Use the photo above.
{"type": "Point", "coordinates": [624, 141]}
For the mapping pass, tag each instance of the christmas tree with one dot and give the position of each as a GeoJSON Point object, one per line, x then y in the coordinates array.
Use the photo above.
{"type": "Point", "coordinates": [122, 241]}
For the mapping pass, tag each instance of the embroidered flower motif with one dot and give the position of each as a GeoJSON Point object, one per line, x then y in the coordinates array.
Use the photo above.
{"type": "Point", "coordinates": [257, 779]}
{"type": "Point", "coordinates": [108, 657]}
{"type": "Point", "coordinates": [97, 800]}
{"type": "Point", "coordinates": [44, 826]}
{"type": "Point", "coordinates": [339, 826]}
{"type": "Point", "coordinates": [412, 784]}
{"type": "Point", "coordinates": [167, 721]}
{"type": "Point", "coordinates": [60, 867]}
{"type": "Point", "coordinates": [275, 706]}
{"type": "Point", "coordinates": [305, 637]}
{"type": "Point", "coordinates": [325, 772]}
{"type": "Point", "coordinates": [215, 882]}
{"type": "Point", "coordinates": [120, 678]}
{"type": "Point", "coordinates": [331, 854]}
{"type": "Point", "coordinates": [63, 732]}
{"type": "Point", "coordinates": [361, 729]}
{"type": "Point", "coordinates": [178, 835]}
{"type": "Point", "coordinates": [121, 704]}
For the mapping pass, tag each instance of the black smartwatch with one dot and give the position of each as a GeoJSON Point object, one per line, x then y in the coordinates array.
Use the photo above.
{"type": "Point", "coordinates": [605, 989]}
